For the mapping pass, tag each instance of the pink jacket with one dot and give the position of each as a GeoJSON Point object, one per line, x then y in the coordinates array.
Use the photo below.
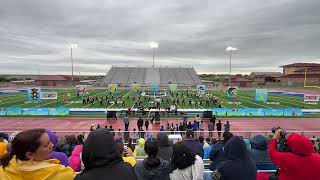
{"type": "Point", "coordinates": [75, 159]}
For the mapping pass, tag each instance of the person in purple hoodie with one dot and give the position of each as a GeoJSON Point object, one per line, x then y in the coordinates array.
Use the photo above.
{"type": "Point", "coordinates": [58, 155]}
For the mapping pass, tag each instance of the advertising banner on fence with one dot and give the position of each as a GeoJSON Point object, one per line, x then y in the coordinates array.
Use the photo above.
{"type": "Point", "coordinates": [311, 98]}
{"type": "Point", "coordinates": [232, 91]}
{"type": "Point", "coordinates": [173, 87]}
{"type": "Point", "coordinates": [201, 89]}
{"type": "Point", "coordinates": [17, 111]}
{"type": "Point", "coordinates": [154, 87]}
{"type": "Point", "coordinates": [48, 95]}
{"type": "Point", "coordinates": [262, 95]}
{"type": "Point", "coordinates": [3, 111]}
{"type": "Point", "coordinates": [277, 112]}
{"type": "Point", "coordinates": [59, 111]}
{"type": "Point", "coordinates": [34, 94]}
{"type": "Point", "coordinates": [38, 111]}
{"type": "Point", "coordinates": [236, 111]}
{"type": "Point", "coordinates": [82, 90]}
{"type": "Point", "coordinates": [218, 111]}
{"type": "Point", "coordinates": [292, 112]}
{"type": "Point", "coordinates": [254, 112]}
{"type": "Point", "coordinates": [113, 88]}
{"type": "Point", "coordinates": [135, 87]}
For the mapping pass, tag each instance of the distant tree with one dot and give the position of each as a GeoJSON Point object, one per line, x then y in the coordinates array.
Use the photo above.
{"type": "Point", "coordinates": [268, 79]}
{"type": "Point", "coordinates": [3, 79]}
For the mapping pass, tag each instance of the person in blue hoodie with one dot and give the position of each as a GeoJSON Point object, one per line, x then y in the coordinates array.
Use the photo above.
{"type": "Point", "coordinates": [216, 153]}
{"type": "Point", "coordinates": [259, 153]}
{"type": "Point", "coordinates": [237, 163]}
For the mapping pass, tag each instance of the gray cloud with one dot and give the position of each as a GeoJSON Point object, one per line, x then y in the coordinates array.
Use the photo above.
{"type": "Point", "coordinates": [34, 34]}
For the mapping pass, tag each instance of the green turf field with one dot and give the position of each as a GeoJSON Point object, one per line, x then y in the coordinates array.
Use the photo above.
{"type": "Point", "coordinates": [245, 99]}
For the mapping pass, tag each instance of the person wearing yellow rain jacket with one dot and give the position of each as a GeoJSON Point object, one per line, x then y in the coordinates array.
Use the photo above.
{"type": "Point", "coordinates": [27, 159]}
{"type": "Point", "coordinates": [139, 150]}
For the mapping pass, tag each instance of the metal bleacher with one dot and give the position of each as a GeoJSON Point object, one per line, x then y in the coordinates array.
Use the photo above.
{"type": "Point", "coordinates": [125, 76]}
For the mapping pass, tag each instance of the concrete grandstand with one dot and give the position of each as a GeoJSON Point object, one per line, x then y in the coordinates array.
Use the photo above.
{"type": "Point", "coordinates": [124, 76]}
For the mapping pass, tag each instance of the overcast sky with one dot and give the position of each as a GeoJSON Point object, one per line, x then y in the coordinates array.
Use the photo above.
{"type": "Point", "coordinates": [268, 33]}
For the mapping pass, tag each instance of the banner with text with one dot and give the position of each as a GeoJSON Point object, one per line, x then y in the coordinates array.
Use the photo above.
{"type": "Point", "coordinates": [48, 95]}
{"type": "Point", "coordinates": [262, 95]}
{"type": "Point", "coordinates": [311, 98]}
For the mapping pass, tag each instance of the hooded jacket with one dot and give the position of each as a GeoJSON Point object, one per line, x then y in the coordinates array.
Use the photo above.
{"type": "Point", "coordinates": [101, 159]}
{"type": "Point", "coordinates": [301, 163]}
{"type": "Point", "coordinates": [165, 149]}
{"type": "Point", "coordinates": [160, 172]}
{"type": "Point", "coordinates": [75, 159]}
{"type": "Point", "coordinates": [62, 157]}
{"type": "Point", "coordinates": [237, 164]}
{"type": "Point", "coordinates": [28, 170]}
{"type": "Point", "coordinates": [139, 150]}
{"type": "Point", "coordinates": [216, 155]}
{"type": "Point", "coordinates": [259, 152]}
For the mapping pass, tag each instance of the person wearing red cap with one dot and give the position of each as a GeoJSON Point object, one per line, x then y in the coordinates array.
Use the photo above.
{"type": "Point", "coordinates": [302, 162]}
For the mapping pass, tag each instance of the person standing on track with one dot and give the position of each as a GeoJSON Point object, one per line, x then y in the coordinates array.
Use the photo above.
{"type": "Point", "coordinates": [219, 126]}
{"type": "Point", "coordinates": [126, 123]}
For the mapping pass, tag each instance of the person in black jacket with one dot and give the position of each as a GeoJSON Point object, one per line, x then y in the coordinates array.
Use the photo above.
{"type": "Point", "coordinates": [140, 123]}
{"type": "Point", "coordinates": [101, 160]}
{"type": "Point", "coordinates": [237, 163]}
{"type": "Point", "coordinates": [165, 148]}
{"type": "Point", "coordinates": [190, 142]}
{"type": "Point", "coordinates": [153, 167]}
{"type": "Point", "coordinates": [219, 127]}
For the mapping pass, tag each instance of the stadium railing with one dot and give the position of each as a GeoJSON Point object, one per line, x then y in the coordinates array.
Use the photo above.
{"type": "Point", "coordinates": [244, 134]}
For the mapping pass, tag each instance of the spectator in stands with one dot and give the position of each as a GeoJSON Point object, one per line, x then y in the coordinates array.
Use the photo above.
{"type": "Point", "coordinates": [237, 163]}
{"type": "Point", "coordinates": [125, 153]}
{"type": "Point", "coordinates": [135, 135]}
{"type": "Point", "coordinates": [219, 128]}
{"type": "Point", "coordinates": [190, 142]}
{"type": "Point", "coordinates": [153, 167]}
{"type": "Point", "coordinates": [101, 159]}
{"type": "Point", "coordinates": [119, 134]}
{"type": "Point", "coordinates": [186, 164]}
{"type": "Point", "coordinates": [131, 145]}
{"type": "Point", "coordinates": [80, 138]}
{"type": "Point", "coordinates": [71, 142]}
{"type": "Point", "coordinates": [139, 150]}
{"type": "Point", "coordinates": [302, 162]}
{"type": "Point", "coordinates": [28, 159]}
{"type": "Point", "coordinates": [3, 146]}
{"type": "Point", "coordinates": [216, 153]}
{"type": "Point", "coordinates": [206, 148]}
{"type": "Point", "coordinates": [259, 153]}
{"type": "Point", "coordinates": [165, 148]}
{"type": "Point", "coordinates": [189, 126]}
{"type": "Point", "coordinates": [55, 154]}
{"type": "Point", "coordinates": [75, 158]}
{"type": "Point", "coordinates": [227, 127]}
{"type": "Point", "coordinates": [111, 130]}
{"type": "Point", "coordinates": [162, 128]}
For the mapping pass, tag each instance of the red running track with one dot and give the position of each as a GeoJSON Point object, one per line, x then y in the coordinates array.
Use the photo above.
{"type": "Point", "coordinates": [83, 124]}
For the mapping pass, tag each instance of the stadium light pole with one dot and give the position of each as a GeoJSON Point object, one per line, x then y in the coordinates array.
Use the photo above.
{"type": "Point", "coordinates": [230, 49]}
{"type": "Point", "coordinates": [153, 45]}
{"type": "Point", "coordinates": [72, 46]}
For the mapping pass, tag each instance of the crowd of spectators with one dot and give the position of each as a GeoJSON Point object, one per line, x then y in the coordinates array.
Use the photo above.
{"type": "Point", "coordinates": [41, 154]}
